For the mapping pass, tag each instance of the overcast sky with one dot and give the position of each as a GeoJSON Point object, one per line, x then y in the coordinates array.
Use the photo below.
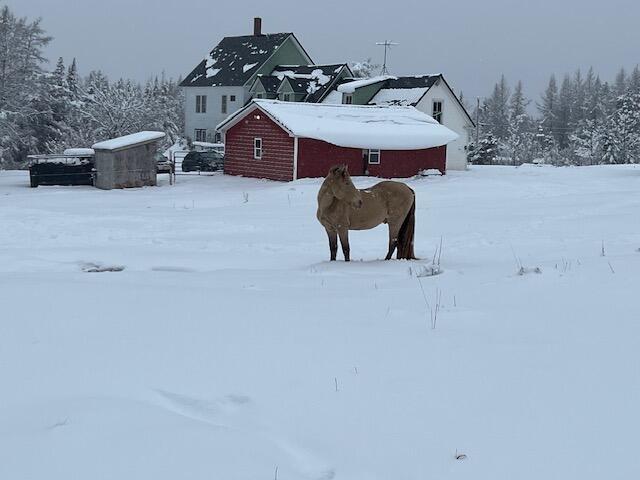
{"type": "Point", "coordinates": [472, 42]}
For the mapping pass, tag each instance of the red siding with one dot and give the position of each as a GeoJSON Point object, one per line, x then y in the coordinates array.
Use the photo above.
{"type": "Point", "coordinates": [406, 163]}
{"type": "Point", "coordinates": [277, 149]}
{"type": "Point", "coordinates": [316, 157]}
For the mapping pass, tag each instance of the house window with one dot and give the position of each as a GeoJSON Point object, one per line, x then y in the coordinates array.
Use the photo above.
{"type": "Point", "coordinates": [347, 98]}
{"type": "Point", "coordinates": [232, 98]}
{"type": "Point", "coordinates": [224, 104]}
{"type": "Point", "coordinates": [259, 95]}
{"type": "Point", "coordinates": [286, 97]}
{"type": "Point", "coordinates": [201, 135]}
{"type": "Point", "coordinates": [257, 148]}
{"type": "Point", "coordinates": [217, 138]}
{"type": "Point", "coordinates": [374, 156]}
{"type": "Point", "coordinates": [201, 104]}
{"type": "Point", "coordinates": [436, 111]}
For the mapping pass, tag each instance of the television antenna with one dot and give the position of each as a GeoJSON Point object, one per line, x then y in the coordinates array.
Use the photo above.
{"type": "Point", "coordinates": [387, 45]}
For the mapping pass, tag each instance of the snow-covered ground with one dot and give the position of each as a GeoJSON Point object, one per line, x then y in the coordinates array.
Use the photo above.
{"type": "Point", "coordinates": [230, 348]}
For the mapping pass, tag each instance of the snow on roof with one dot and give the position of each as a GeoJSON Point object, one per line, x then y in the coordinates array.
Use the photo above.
{"type": "Point", "coordinates": [208, 144]}
{"type": "Point", "coordinates": [355, 126]}
{"type": "Point", "coordinates": [81, 152]}
{"type": "Point", "coordinates": [351, 87]}
{"type": "Point", "coordinates": [128, 140]}
{"type": "Point", "coordinates": [398, 96]}
{"type": "Point", "coordinates": [234, 60]}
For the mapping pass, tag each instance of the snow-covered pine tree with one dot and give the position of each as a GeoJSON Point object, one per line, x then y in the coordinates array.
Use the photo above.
{"type": "Point", "coordinates": [72, 78]}
{"type": "Point", "coordinates": [519, 143]}
{"type": "Point", "coordinates": [496, 110]}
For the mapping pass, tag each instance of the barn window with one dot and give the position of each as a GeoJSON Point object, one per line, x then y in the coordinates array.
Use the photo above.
{"type": "Point", "coordinates": [201, 104]}
{"type": "Point", "coordinates": [224, 104]}
{"type": "Point", "coordinates": [201, 135]}
{"type": "Point", "coordinates": [232, 98]}
{"type": "Point", "coordinates": [257, 148]}
{"type": "Point", "coordinates": [347, 98]}
{"type": "Point", "coordinates": [374, 156]}
{"type": "Point", "coordinates": [436, 111]}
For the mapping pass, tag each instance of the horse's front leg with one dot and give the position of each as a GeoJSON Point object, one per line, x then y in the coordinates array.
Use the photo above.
{"type": "Point", "coordinates": [333, 243]}
{"type": "Point", "coordinates": [344, 241]}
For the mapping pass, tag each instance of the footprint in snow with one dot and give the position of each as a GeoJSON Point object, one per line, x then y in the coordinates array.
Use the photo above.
{"type": "Point", "coordinates": [91, 267]}
{"type": "Point", "coordinates": [212, 412]}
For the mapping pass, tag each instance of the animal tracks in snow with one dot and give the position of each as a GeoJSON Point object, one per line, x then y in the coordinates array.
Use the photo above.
{"type": "Point", "coordinates": [91, 267]}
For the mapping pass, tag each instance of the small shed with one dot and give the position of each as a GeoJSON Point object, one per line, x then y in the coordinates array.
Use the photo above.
{"type": "Point", "coordinates": [288, 140]}
{"type": "Point", "coordinates": [128, 161]}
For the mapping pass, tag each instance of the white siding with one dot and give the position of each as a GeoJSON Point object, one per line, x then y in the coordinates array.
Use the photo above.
{"type": "Point", "coordinates": [213, 115]}
{"type": "Point", "coordinates": [454, 118]}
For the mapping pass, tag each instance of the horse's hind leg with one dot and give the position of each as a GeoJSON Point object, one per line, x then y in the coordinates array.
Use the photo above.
{"type": "Point", "coordinates": [344, 241]}
{"type": "Point", "coordinates": [333, 243]}
{"type": "Point", "coordinates": [393, 239]}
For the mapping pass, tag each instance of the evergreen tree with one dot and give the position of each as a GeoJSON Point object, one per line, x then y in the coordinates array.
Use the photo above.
{"type": "Point", "coordinates": [496, 110]}
{"type": "Point", "coordinates": [72, 78]}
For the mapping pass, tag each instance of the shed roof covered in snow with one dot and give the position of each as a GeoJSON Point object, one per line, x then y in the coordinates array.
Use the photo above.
{"type": "Point", "coordinates": [128, 141]}
{"type": "Point", "coordinates": [354, 126]}
{"type": "Point", "coordinates": [235, 59]}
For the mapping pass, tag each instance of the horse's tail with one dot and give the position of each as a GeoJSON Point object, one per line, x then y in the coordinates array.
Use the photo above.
{"type": "Point", "coordinates": [407, 233]}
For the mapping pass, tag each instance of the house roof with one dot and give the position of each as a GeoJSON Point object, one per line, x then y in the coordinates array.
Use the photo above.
{"type": "Point", "coordinates": [269, 83]}
{"type": "Point", "coordinates": [321, 78]}
{"type": "Point", "coordinates": [353, 126]}
{"type": "Point", "coordinates": [410, 90]}
{"type": "Point", "coordinates": [404, 90]}
{"type": "Point", "coordinates": [299, 85]}
{"type": "Point", "coordinates": [234, 60]}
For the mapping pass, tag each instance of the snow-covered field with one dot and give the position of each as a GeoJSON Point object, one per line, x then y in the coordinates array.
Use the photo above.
{"type": "Point", "coordinates": [230, 348]}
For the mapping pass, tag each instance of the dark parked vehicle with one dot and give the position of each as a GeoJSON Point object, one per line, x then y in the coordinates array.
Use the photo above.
{"type": "Point", "coordinates": [203, 162]}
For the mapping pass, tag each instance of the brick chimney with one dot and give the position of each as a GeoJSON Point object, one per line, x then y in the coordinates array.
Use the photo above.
{"type": "Point", "coordinates": [257, 26]}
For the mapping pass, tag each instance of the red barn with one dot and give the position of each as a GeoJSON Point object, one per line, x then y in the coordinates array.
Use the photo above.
{"type": "Point", "coordinates": [289, 140]}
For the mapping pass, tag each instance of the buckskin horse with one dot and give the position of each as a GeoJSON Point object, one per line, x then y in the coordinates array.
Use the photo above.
{"type": "Point", "coordinates": [342, 207]}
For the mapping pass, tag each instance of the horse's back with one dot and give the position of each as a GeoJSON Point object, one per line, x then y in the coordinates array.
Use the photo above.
{"type": "Point", "coordinates": [393, 190]}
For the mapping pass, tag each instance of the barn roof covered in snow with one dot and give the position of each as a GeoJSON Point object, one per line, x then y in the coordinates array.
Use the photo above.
{"type": "Point", "coordinates": [354, 126]}
{"type": "Point", "coordinates": [235, 59]}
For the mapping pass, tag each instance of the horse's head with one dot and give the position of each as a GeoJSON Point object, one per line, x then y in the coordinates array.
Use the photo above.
{"type": "Point", "coordinates": [341, 186]}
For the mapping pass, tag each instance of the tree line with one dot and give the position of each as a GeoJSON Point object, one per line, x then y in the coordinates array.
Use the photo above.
{"type": "Point", "coordinates": [581, 121]}
{"type": "Point", "coordinates": [48, 111]}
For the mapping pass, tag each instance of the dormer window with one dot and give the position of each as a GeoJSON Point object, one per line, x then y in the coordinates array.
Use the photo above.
{"type": "Point", "coordinates": [347, 98]}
